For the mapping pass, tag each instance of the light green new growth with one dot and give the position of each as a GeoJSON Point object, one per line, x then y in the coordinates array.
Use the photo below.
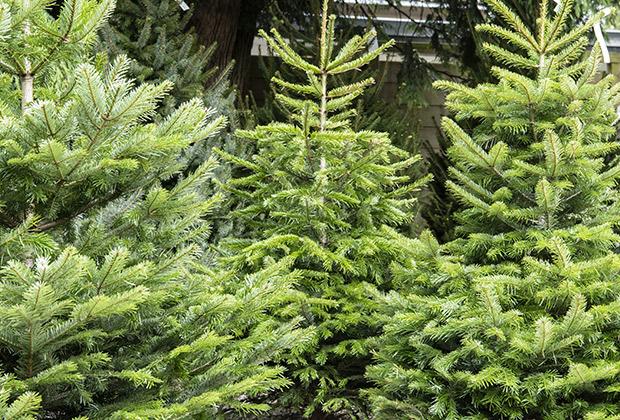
{"type": "Point", "coordinates": [325, 200]}
{"type": "Point", "coordinates": [107, 307]}
{"type": "Point", "coordinates": [518, 318]}
{"type": "Point", "coordinates": [32, 39]}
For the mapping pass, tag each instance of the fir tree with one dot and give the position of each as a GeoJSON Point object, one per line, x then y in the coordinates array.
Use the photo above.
{"type": "Point", "coordinates": [157, 36]}
{"type": "Point", "coordinates": [106, 308]}
{"type": "Point", "coordinates": [162, 46]}
{"type": "Point", "coordinates": [518, 318]}
{"type": "Point", "coordinates": [324, 199]}
{"type": "Point", "coordinates": [395, 116]}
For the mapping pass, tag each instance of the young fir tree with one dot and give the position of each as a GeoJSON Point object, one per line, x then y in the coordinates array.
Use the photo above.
{"type": "Point", "coordinates": [520, 317]}
{"type": "Point", "coordinates": [23, 408]}
{"type": "Point", "coordinates": [324, 200]}
{"type": "Point", "coordinates": [105, 307]}
{"type": "Point", "coordinates": [395, 116]}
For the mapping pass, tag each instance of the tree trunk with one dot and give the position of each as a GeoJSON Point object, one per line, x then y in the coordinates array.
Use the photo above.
{"type": "Point", "coordinates": [232, 24]}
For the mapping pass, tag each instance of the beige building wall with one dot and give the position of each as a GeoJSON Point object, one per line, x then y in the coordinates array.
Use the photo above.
{"type": "Point", "coordinates": [615, 64]}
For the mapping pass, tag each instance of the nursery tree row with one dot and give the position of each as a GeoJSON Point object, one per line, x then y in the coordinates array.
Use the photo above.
{"type": "Point", "coordinates": [158, 264]}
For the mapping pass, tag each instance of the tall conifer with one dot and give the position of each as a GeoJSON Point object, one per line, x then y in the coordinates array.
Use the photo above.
{"type": "Point", "coordinates": [518, 318]}
{"type": "Point", "coordinates": [324, 199]}
{"type": "Point", "coordinates": [106, 309]}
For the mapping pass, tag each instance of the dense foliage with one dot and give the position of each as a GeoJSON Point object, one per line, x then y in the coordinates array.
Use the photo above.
{"type": "Point", "coordinates": [141, 278]}
{"type": "Point", "coordinates": [158, 38]}
{"type": "Point", "coordinates": [519, 317]}
{"type": "Point", "coordinates": [324, 200]}
{"type": "Point", "coordinates": [106, 308]}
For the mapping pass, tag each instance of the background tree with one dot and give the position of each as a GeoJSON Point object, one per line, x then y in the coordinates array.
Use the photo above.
{"type": "Point", "coordinates": [232, 26]}
{"type": "Point", "coordinates": [159, 38]}
{"type": "Point", "coordinates": [519, 317]}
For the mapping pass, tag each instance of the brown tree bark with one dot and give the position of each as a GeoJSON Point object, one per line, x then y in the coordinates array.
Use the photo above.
{"type": "Point", "coordinates": [232, 24]}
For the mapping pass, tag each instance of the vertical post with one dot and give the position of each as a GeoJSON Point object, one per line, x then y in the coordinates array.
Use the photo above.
{"type": "Point", "coordinates": [27, 87]}
{"type": "Point", "coordinates": [27, 79]}
{"type": "Point", "coordinates": [323, 110]}
{"type": "Point", "coordinates": [600, 39]}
